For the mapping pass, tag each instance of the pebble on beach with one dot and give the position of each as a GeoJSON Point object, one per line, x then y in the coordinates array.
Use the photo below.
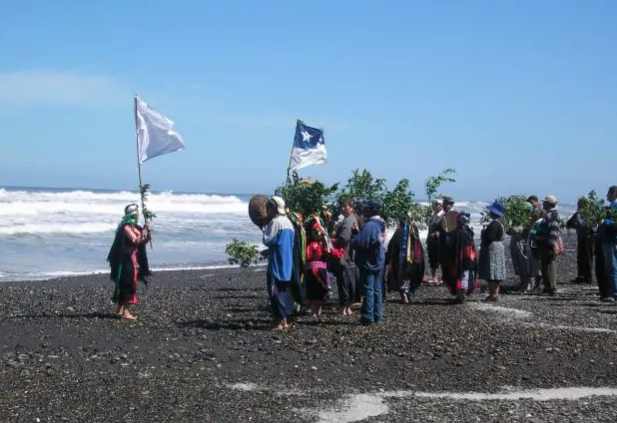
{"type": "Point", "coordinates": [203, 349]}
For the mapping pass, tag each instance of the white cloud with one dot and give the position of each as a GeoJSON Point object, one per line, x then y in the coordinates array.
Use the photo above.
{"type": "Point", "coordinates": [52, 88]}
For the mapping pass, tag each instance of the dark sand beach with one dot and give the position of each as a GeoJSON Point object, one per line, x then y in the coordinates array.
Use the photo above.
{"type": "Point", "coordinates": [203, 351]}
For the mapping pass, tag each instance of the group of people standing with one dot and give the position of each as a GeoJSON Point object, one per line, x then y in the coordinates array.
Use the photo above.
{"type": "Point", "coordinates": [597, 241]}
{"type": "Point", "coordinates": [535, 245]}
{"type": "Point", "coordinates": [309, 256]}
{"type": "Point", "coordinates": [306, 256]}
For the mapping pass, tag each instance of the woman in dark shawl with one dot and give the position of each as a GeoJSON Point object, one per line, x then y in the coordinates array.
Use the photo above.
{"type": "Point", "coordinates": [128, 260]}
{"type": "Point", "coordinates": [459, 259]}
{"type": "Point", "coordinates": [405, 260]}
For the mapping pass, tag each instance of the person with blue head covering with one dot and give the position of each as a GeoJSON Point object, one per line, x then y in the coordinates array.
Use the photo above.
{"type": "Point", "coordinates": [492, 262]}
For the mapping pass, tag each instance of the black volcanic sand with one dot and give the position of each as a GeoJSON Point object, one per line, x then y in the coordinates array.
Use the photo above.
{"type": "Point", "coordinates": [64, 357]}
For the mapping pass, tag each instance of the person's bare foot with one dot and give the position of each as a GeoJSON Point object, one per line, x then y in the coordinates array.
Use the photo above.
{"type": "Point", "coordinates": [128, 316]}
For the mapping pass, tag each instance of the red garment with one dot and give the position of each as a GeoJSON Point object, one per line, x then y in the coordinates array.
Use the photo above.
{"type": "Point", "coordinates": [133, 299]}
{"type": "Point", "coordinates": [315, 251]}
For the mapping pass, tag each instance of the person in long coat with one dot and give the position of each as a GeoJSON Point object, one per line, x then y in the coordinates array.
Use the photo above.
{"type": "Point", "coordinates": [405, 260]}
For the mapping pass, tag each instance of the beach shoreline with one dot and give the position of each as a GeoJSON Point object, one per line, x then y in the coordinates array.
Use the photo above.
{"type": "Point", "coordinates": [203, 349]}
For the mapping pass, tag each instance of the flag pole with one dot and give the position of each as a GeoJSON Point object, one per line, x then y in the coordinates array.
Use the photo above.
{"type": "Point", "coordinates": [138, 161]}
{"type": "Point", "coordinates": [141, 187]}
{"type": "Point", "coordinates": [288, 180]}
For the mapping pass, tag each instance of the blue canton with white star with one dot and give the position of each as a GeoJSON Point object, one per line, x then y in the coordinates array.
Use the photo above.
{"type": "Point", "coordinates": [308, 138]}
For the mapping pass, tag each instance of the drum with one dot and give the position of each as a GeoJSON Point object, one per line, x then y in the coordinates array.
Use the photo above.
{"type": "Point", "coordinates": [258, 210]}
{"type": "Point", "coordinates": [449, 222]}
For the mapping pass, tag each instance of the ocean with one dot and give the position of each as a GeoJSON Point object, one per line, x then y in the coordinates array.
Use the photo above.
{"type": "Point", "coordinates": [47, 233]}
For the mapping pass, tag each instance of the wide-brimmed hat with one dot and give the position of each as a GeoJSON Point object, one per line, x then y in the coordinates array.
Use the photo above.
{"type": "Point", "coordinates": [497, 208]}
{"type": "Point", "coordinates": [280, 204]}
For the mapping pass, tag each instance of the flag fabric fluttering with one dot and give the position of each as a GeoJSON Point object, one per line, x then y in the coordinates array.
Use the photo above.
{"type": "Point", "coordinates": [309, 147]}
{"type": "Point", "coordinates": [155, 135]}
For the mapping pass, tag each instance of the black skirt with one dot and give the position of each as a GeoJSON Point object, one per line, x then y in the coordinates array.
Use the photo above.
{"type": "Point", "coordinates": [316, 284]}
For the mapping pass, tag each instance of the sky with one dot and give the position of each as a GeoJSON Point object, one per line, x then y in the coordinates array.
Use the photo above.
{"type": "Point", "coordinates": [517, 96]}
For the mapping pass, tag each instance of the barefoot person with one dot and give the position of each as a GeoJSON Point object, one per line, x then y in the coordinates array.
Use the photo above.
{"type": "Point", "coordinates": [128, 260]}
{"type": "Point", "coordinates": [317, 271]}
{"type": "Point", "coordinates": [345, 268]}
{"type": "Point", "coordinates": [278, 236]}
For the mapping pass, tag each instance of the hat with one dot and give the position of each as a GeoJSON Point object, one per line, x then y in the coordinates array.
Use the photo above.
{"type": "Point", "coordinates": [550, 199]}
{"type": "Point", "coordinates": [438, 201]}
{"type": "Point", "coordinates": [497, 209]}
{"type": "Point", "coordinates": [131, 209]}
{"type": "Point", "coordinates": [374, 204]}
{"type": "Point", "coordinates": [280, 204]}
{"type": "Point", "coordinates": [447, 200]}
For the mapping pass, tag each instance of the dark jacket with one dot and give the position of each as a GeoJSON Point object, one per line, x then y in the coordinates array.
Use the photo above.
{"type": "Point", "coordinates": [121, 250]}
{"type": "Point", "coordinates": [577, 222]}
{"type": "Point", "coordinates": [368, 245]}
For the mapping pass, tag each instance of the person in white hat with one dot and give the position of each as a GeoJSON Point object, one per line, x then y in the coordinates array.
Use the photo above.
{"type": "Point", "coordinates": [548, 239]}
{"type": "Point", "coordinates": [278, 236]}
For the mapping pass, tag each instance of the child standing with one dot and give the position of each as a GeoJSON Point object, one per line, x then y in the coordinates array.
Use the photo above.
{"type": "Point", "coordinates": [316, 275]}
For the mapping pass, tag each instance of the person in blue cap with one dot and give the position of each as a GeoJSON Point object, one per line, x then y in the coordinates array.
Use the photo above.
{"type": "Point", "coordinates": [492, 262]}
{"type": "Point", "coordinates": [368, 244]}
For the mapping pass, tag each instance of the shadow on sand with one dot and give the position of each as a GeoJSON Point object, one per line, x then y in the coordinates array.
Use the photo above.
{"type": "Point", "coordinates": [94, 315]}
{"type": "Point", "coordinates": [238, 324]}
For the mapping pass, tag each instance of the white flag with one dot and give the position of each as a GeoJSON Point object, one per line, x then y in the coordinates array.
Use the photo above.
{"type": "Point", "coordinates": [155, 136]}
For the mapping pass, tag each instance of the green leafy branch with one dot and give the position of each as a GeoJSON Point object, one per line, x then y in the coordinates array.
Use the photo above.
{"type": "Point", "coordinates": [592, 209]}
{"type": "Point", "coordinates": [306, 196]}
{"type": "Point", "coordinates": [309, 197]}
{"type": "Point", "coordinates": [144, 191]}
{"type": "Point", "coordinates": [242, 253]}
{"type": "Point", "coordinates": [433, 183]}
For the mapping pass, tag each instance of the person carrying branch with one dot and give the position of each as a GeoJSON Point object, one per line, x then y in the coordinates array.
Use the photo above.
{"type": "Point", "coordinates": [128, 260]}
